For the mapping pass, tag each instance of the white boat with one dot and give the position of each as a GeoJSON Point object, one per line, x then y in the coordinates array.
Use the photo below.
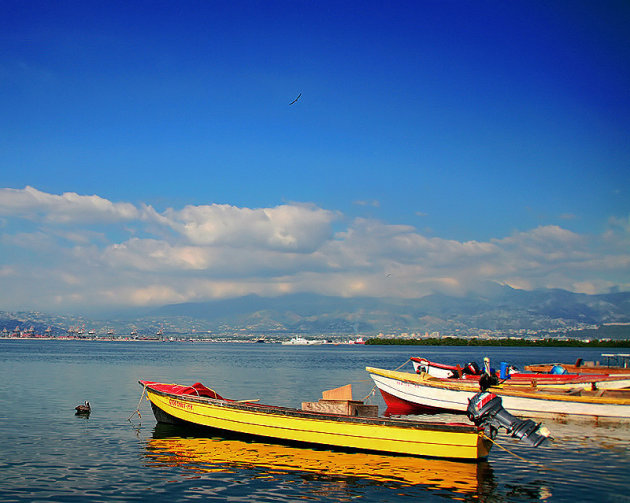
{"type": "Point", "coordinates": [407, 393]}
{"type": "Point", "coordinates": [301, 341]}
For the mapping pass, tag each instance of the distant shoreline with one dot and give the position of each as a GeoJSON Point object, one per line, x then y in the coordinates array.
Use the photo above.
{"type": "Point", "coordinates": [455, 341]}
{"type": "Point", "coordinates": [444, 341]}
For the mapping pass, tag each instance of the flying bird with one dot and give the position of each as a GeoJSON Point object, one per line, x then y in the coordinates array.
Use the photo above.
{"type": "Point", "coordinates": [296, 99]}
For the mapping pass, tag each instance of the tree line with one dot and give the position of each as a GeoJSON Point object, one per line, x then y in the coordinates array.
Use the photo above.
{"type": "Point", "coordinates": [457, 341]}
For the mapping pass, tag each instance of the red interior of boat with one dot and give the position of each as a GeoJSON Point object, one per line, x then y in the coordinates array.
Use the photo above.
{"type": "Point", "coordinates": [196, 389]}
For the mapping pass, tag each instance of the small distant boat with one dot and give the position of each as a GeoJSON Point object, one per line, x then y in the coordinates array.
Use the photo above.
{"type": "Point", "coordinates": [199, 406]}
{"type": "Point", "coordinates": [408, 393]}
{"type": "Point", "coordinates": [301, 341]}
{"type": "Point", "coordinates": [472, 372]}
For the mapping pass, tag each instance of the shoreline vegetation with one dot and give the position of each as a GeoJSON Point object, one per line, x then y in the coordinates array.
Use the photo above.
{"type": "Point", "coordinates": [456, 341]}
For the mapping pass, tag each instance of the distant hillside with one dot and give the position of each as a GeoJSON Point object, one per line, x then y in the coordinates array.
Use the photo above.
{"type": "Point", "coordinates": [496, 308]}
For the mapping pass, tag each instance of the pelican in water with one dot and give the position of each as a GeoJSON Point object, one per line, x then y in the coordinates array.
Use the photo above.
{"type": "Point", "coordinates": [83, 409]}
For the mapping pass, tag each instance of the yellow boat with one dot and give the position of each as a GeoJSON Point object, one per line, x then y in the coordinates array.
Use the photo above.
{"type": "Point", "coordinates": [224, 455]}
{"type": "Point", "coordinates": [200, 406]}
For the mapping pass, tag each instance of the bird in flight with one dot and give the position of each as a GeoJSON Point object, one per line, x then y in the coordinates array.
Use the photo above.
{"type": "Point", "coordinates": [296, 99]}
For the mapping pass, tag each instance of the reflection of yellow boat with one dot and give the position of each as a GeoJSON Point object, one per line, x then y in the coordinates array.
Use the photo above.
{"type": "Point", "coordinates": [199, 406]}
{"type": "Point", "coordinates": [217, 454]}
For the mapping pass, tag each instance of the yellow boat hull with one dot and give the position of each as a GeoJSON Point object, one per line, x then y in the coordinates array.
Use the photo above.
{"type": "Point", "coordinates": [414, 438]}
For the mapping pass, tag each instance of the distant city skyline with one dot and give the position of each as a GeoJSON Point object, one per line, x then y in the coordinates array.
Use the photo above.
{"type": "Point", "coordinates": [162, 153]}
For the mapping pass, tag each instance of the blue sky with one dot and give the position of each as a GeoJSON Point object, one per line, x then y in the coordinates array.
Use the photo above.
{"type": "Point", "coordinates": [445, 143]}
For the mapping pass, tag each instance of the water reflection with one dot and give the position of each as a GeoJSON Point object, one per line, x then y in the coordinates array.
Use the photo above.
{"type": "Point", "coordinates": [209, 455]}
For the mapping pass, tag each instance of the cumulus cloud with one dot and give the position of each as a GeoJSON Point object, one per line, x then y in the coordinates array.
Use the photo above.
{"type": "Point", "coordinates": [67, 208]}
{"type": "Point", "coordinates": [83, 251]}
{"type": "Point", "coordinates": [298, 228]}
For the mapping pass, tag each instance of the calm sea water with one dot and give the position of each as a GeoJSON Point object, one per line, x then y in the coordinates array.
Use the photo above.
{"type": "Point", "coordinates": [49, 454]}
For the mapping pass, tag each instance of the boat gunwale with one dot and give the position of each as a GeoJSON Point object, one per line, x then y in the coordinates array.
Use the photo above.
{"type": "Point", "coordinates": [299, 413]}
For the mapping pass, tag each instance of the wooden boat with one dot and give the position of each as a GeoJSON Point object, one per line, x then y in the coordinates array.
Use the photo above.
{"type": "Point", "coordinates": [620, 366]}
{"type": "Point", "coordinates": [199, 406]}
{"type": "Point", "coordinates": [472, 372]}
{"type": "Point", "coordinates": [267, 459]}
{"type": "Point", "coordinates": [408, 393]}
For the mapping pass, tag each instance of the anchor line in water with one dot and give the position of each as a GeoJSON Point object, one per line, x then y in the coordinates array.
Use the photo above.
{"type": "Point", "coordinates": [516, 455]}
{"type": "Point", "coordinates": [137, 411]}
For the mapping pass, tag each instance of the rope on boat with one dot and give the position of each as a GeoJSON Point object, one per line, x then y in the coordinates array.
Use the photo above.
{"type": "Point", "coordinates": [137, 411]}
{"type": "Point", "coordinates": [401, 366]}
{"type": "Point", "coordinates": [516, 455]}
{"type": "Point", "coordinates": [482, 433]}
{"type": "Point", "coordinates": [371, 392]}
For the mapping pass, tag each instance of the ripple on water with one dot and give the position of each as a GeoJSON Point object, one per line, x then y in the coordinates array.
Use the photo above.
{"type": "Point", "coordinates": [48, 454]}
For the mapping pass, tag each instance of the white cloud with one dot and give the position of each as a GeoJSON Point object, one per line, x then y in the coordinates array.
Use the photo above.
{"type": "Point", "coordinates": [298, 228]}
{"type": "Point", "coordinates": [67, 208]}
{"type": "Point", "coordinates": [85, 250]}
{"type": "Point", "coordinates": [155, 255]}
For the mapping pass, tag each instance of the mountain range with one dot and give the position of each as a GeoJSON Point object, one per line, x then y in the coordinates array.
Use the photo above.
{"type": "Point", "coordinates": [495, 308]}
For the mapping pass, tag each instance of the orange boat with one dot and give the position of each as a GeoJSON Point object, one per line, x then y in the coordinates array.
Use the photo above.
{"type": "Point", "coordinates": [617, 364]}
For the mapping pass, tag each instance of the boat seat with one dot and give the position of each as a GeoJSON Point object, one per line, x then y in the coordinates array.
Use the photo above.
{"type": "Point", "coordinates": [574, 391]}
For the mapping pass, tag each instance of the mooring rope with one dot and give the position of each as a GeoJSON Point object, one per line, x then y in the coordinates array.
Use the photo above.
{"type": "Point", "coordinates": [401, 366]}
{"type": "Point", "coordinates": [137, 411]}
{"type": "Point", "coordinates": [371, 392]}
{"type": "Point", "coordinates": [516, 455]}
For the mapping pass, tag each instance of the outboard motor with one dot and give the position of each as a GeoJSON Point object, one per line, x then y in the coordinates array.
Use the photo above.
{"type": "Point", "coordinates": [485, 409]}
